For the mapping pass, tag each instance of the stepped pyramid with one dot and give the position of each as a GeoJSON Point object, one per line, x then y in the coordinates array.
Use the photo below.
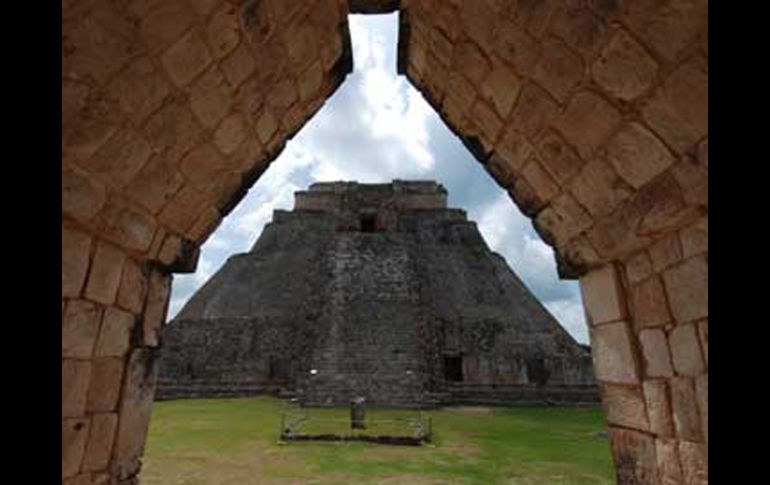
{"type": "Point", "coordinates": [373, 290]}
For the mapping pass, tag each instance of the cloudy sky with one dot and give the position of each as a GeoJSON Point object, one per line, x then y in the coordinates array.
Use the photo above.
{"type": "Point", "coordinates": [376, 128]}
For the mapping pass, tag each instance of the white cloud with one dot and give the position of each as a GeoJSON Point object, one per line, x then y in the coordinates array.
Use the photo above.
{"type": "Point", "coordinates": [375, 128]}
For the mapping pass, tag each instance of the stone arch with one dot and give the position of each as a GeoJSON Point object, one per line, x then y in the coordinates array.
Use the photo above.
{"type": "Point", "coordinates": [592, 114]}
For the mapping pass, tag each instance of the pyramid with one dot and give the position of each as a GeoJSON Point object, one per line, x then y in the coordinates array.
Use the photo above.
{"type": "Point", "coordinates": [378, 291]}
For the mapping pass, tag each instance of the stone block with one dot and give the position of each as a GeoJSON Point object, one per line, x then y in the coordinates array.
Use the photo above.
{"type": "Point", "coordinates": [487, 121]}
{"type": "Point", "coordinates": [82, 196]}
{"type": "Point", "coordinates": [155, 184]}
{"type": "Point", "coordinates": [302, 44]}
{"type": "Point", "coordinates": [134, 416]}
{"type": "Point", "coordinates": [104, 390]}
{"type": "Point", "coordinates": [695, 238]}
{"type": "Point", "coordinates": [204, 163]}
{"type": "Point", "coordinates": [624, 406]}
{"type": "Point", "coordinates": [703, 336]}
{"type": "Point", "coordinates": [75, 249]}
{"type": "Point", "coordinates": [694, 459]}
{"type": "Point", "coordinates": [602, 296]}
{"type": "Point", "coordinates": [685, 350]}
{"type": "Point", "coordinates": [223, 31]}
{"type": "Point", "coordinates": [678, 111]}
{"type": "Point", "coordinates": [535, 109]}
{"type": "Point", "coordinates": [693, 178]}
{"type": "Point", "coordinates": [205, 225]}
{"type": "Point", "coordinates": [588, 121]}
{"type": "Point", "coordinates": [187, 58]}
{"type": "Point", "coordinates": [80, 327]}
{"type": "Point", "coordinates": [173, 130]}
{"type": "Point", "coordinates": [126, 224]}
{"type": "Point", "coordinates": [231, 133]}
{"type": "Point", "coordinates": [211, 98]}
{"type": "Point", "coordinates": [238, 66]}
{"type": "Point", "coordinates": [542, 183]}
{"type": "Point", "coordinates": [637, 155]}
{"type": "Point", "coordinates": [669, 469]}
{"type": "Point", "coordinates": [310, 82]}
{"type": "Point", "coordinates": [535, 15]}
{"type": "Point", "coordinates": [559, 158]}
{"type": "Point", "coordinates": [514, 149]}
{"type": "Point", "coordinates": [685, 409]}
{"type": "Point", "coordinates": [657, 357]}
{"type": "Point", "coordinates": [115, 335]}
{"type": "Point", "coordinates": [702, 394]}
{"type": "Point", "coordinates": [471, 62]}
{"type": "Point", "coordinates": [461, 90]}
{"type": "Point", "coordinates": [89, 130]}
{"type": "Point", "coordinates": [658, 408]}
{"type": "Point", "coordinates": [184, 208]}
{"type": "Point", "coordinates": [501, 87]}
{"type": "Point", "coordinates": [477, 17]}
{"type": "Point", "coordinates": [687, 289]}
{"type": "Point", "coordinates": [516, 46]}
{"type": "Point", "coordinates": [668, 28]}
{"type": "Point", "coordinates": [441, 47]}
{"type": "Point", "coordinates": [634, 455]}
{"type": "Point", "coordinates": [599, 189]}
{"type": "Point", "coordinates": [74, 434]}
{"type": "Point", "coordinates": [638, 267]}
{"type": "Point", "coordinates": [133, 286]}
{"type": "Point", "coordinates": [155, 308]}
{"type": "Point", "coordinates": [282, 95]}
{"type": "Point", "coordinates": [559, 69]}
{"type": "Point", "coordinates": [75, 376]}
{"type": "Point", "coordinates": [583, 30]}
{"type": "Point", "coordinates": [563, 219]}
{"type": "Point", "coordinates": [164, 22]}
{"type": "Point", "coordinates": [649, 304]}
{"type": "Point", "coordinates": [624, 69]}
{"type": "Point", "coordinates": [120, 159]}
{"type": "Point", "coordinates": [665, 252]}
{"type": "Point", "coordinates": [100, 439]}
{"type": "Point", "coordinates": [104, 277]}
{"type": "Point", "coordinates": [140, 89]}
{"type": "Point", "coordinates": [81, 479]}
{"type": "Point", "coordinates": [613, 354]}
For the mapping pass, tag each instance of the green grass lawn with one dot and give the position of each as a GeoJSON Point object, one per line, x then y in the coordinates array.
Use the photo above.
{"type": "Point", "coordinates": [235, 441]}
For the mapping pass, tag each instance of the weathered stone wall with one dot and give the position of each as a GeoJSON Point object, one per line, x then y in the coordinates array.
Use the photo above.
{"type": "Point", "coordinates": [605, 145]}
{"type": "Point", "coordinates": [372, 313]}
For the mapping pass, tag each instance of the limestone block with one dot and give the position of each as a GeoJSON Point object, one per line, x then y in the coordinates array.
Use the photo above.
{"type": "Point", "coordinates": [115, 335]}
{"type": "Point", "coordinates": [695, 238]}
{"type": "Point", "coordinates": [658, 408]}
{"type": "Point", "coordinates": [155, 183]}
{"type": "Point", "coordinates": [687, 289]}
{"type": "Point", "coordinates": [669, 27]}
{"type": "Point", "coordinates": [588, 121]}
{"type": "Point", "coordinates": [100, 439]}
{"type": "Point", "coordinates": [238, 66]}
{"type": "Point", "coordinates": [205, 225]}
{"type": "Point", "coordinates": [486, 120]}
{"type": "Point", "coordinates": [665, 252]}
{"type": "Point", "coordinates": [477, 18]}
{"type": "Point", "coordinates": [120, 159]}
{"type": "Point", "coordinates": [624, 69]}
{"type": "Point", "coordinates": [140, 89]}
{"type": "Point", "coordinates": [133, 286]}
{"type": "Point", "coordinates": [603, 295]}
{"type": "Point", "coordinates": [231, 133]}
{"type": "Point", "coordinates": [203, 163]}
{"type": "Point", "coordinates": [638, 267]}
{"type": "Point", "coordinates": [599, 189]}
{"type": "Point", "coordinates": [693, 178]}
{"type": "Point", "coordinates": [301, 39]}
{"type": "Point", "coordinates": [104, 277]}
{"type": "Point", "coordinates": [74, 433]}
{"type": "Point", "coordinates": [649, 304]}
{"type": "Point", "coordinates": [222, 31]}
{"type": "Point", "coordinates": [685, 350]}
{"type": "Point", "coordinates": [211, 98]}
{"type": "Point", "coordinates": [583, 30]}
{"type": "Point", "coordinates": [461, 90]}
{"type": "Point", "coordinates": [187, 58]}
{"type": "Point", "coordinates": [104, 389]}
{"type": "Point", "coordinates": [678, 112]}
{"type": "Point", "coordinates": [534, 16]}
{"type": "Point", "coordinates": [634, 454]}
{"type": "Point", "coordinates": [624, 406]}
{"type": "Point", "coordinates": [501, 87]}
{"type": "Point", "coordinates": [471, 63]}
{"type": "Point", "coordinates": [638, 155]}
{"type": "Point", "coordinates": [173, 130]}
{"type": "Point", "coordinates": [668, 461]}
{"type": "Point", "coordinates": [80, 327]}
{"type": "Point", "coordinates": [542, 183]}
{"type": "Point", "coordinates": [311, 81]}
{"type": "Point", "coordinates": [184, 208]}
{"type": "Point", "coordinates": [685, 409]}
{"type": "Point", "coordinates": [514, 149]}
{"type": "Point", "coordinates": [559, 158]}
{"type": "Point", "coordinates": [282, 95]}
{"type": "Point", "coordinates": [516, 46]}
{"type": "Point", "coordinates": [702, 393]}
{"type": "Point", "coordinates": [155, 308]}
{"type": "Point", "coordinates": [75, 376]}
{"type": "Point", "coordinates": [75, 249]}
{"type": "Point", "coordinates": [441, 47]}
{"type": "Point", "coordinates": [535, 110]}
{"type": "Point", "coordinates": [164, 22]}
{"type": "Point", "coordinates": [81, 479]}
{"type": "Point", "coordinates": [563, 219]}
{"type": "Point", "coordinates": [126, 224]}
{"type": "Point", "coordinates": [82, 196]}
{"type": "Point", "coordinates": [559, 69]}
{"type": "Point", "coordinates": [613, 355]}
{"type": "Point", "coordinates": [134, 415]}
{"type": "Point", "coordinates": [694, 458]}
{"type": "Point", "coordinates": [657, 358]}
